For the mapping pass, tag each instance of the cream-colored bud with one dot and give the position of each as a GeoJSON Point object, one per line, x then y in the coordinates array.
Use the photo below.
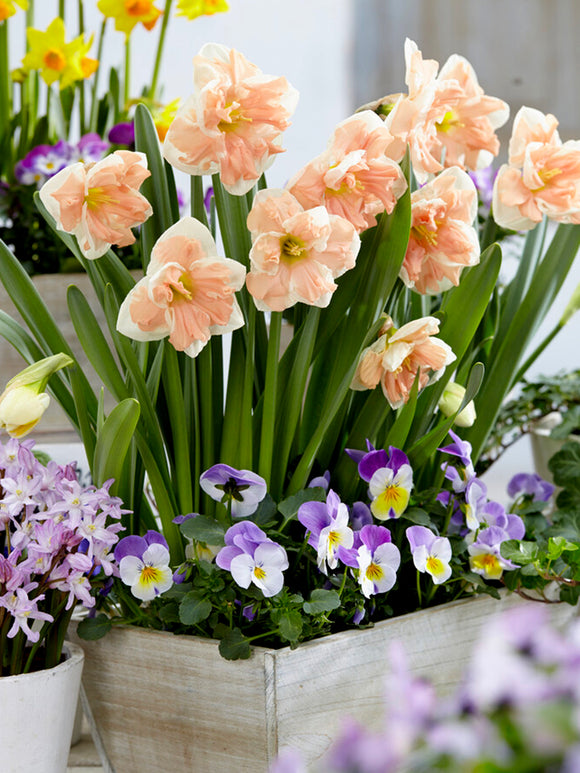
{"type": "Point", "coordinates": [450, 401]}
{"type": "Point", "coordinates": [24, 400]}
{"type": "Point", "coordinates": [21, 409]}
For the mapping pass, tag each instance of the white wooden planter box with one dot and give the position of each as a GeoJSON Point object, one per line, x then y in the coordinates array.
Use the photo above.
{"type": "Point", "coordinates": [159, 702]}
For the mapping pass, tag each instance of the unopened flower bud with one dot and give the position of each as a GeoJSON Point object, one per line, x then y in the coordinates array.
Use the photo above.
{"type": "Point", "coordinates": [450, 402]}
{"type": "Point", "coordinates": [24, 401]}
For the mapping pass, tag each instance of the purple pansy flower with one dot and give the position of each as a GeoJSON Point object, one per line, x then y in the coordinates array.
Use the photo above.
{"type": "Point", "coordinates": [360, 515]}
{"type": "Point", "coordinates": [390, 480]}
{"type": "Point", "coordinates": [42, 162]}
{"type": "Point", "coordinates": [376, 558]}
{"type": "Point", "coordinates": [144, 564]}
{"type": "Point", "coordinates": [242, 488]}
{"type": "Point", "coordinates": [462, 450]}
{"type": "Point", "coordinates": [494, 514]}
{"type": "Point", "coordinates": [122, 134]}
{"type": "Point", "coordinates": [327, 523]}
{"type": "Point", "coordinates": [207, 200]}
{"type": "Point", "coordinates": [89, 148]}
{"type": "Point", "coordinates": [323, 481]}
{"type": "Point", "coordinates": [250, 556]}
{"type": "Point", "coordinates": [485, 556]}
{"type": "Point", "coordinates": [530, 485]}
{"type": "Point", "coordinates": [431, 553]}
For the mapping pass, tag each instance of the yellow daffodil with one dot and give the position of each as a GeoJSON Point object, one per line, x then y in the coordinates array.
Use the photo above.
{"type": "Point", "coordinates": [56, 59]}
{"type": "Point", "coordinates": [7, 8]}
{"type": "Point", "coordinates": [194, 8]}
{"type": "Point", "coordinates": [163, 117]}
{"type": "Point", "coordinates": [128, 13]}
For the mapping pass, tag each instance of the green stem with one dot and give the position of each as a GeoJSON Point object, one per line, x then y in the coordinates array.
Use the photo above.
{"type": "Point", "coordinates": [270, 390]}
{"type": "Point", "coordinates": [246, 432]}
{"type": "Point", "coordinates": [81, 85]}
{"type": "Point", "coordinates": [160, 46]}
{"type": "Point", "coordinates": [419, 596]}
{"type": "Point", "coordinates": [5, 87]}
{"type": "Point", "coordinates": [94, 101]}
{"type": "Point", "coordinates": [536, 353]}
{"type": "Point", "coordinates": [61, 9]}
{"type": "Point", "coordinates": [127, 84]}
{"type": "Point", "coordinates": [273, 632]}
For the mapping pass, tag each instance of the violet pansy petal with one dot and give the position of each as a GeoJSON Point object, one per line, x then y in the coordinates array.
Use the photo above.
{"type": "Point", "coordinates": [130, 546]}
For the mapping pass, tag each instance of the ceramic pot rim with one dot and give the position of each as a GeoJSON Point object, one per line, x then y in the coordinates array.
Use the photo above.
{"type": "Point", "coordinates": [74, 657]}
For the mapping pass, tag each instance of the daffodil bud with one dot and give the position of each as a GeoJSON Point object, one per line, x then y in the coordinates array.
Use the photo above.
{"type": "Point", "coordinates": [24, 401]}
{"type": "Point", "coordinates": [450, 401]}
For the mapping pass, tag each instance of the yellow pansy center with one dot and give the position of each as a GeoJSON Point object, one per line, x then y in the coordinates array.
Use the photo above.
{"type": "Point", "coordinates": [488, 563]}
{"type": "Point", "coordinates": [259, 573]}
{"type": "Point", "coordinates": [393, 497]}
{"type": "Point", "coordinates": [375, 572]}
{"type": "Point", "coordinates": [292, 249]}
{"type": "Point", "coordinates": [434, 565]}
{"type": "Point", "coordinates": [150, 574]}
{"type": "Point", "coordinates": [54, 59]}
{"type": "Point", "coordinates": [333, 539]}
{"type": "Point", "coordinates": [138, 7]}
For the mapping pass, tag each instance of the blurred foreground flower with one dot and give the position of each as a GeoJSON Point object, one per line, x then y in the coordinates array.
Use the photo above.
{"type": "Point", "coordinates": [8, 8]}
{"type": "Point", "coordinates": [128, 13]}
{"type": "Point", "coordinates": [191, 9]}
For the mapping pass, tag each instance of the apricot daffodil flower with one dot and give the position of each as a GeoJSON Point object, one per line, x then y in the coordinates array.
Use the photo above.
{"type": "Point", "coordinates": [7, 8]}
{"type": "Point", "coordinates": [191, 9]}
{"type": "Point", "coordinates": [99, 202]}
{"type": "Point", "coordinates": [55, 59]}
{"type": "Point", "coordinates": [396, 358]}
{"type": "Point", "coordinates": [128, 13]}
{"type": "Point", "coordinates": [541, 178]}
{"type": "Point", "coordinates": [187, 294]}
{"type": "Point", "coordinates": [233, 122]}
{"type": "Point", "coordinates": [443, 239]}
{"type": "Point", "coordinates": [296, 254]}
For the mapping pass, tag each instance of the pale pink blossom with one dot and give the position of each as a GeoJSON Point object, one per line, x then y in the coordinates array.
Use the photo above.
{"type": "Point", "coordinates": [99, 202]}
{"type": "Point", "coordinates": [398, 355]}
{"type": "Point", "coordinates": [296, 254]}
{"type": "Point", "coordinates": [542, 178]}
{"type": "Point", "coordinates": [233, 122]}
{"type": "Point", "coordinates": [357, 176]}
{"type": "Point", "coordinates": [188, 292]}
{"type": "Point", "coordinates": [443, 239]}
{"type": "Point", "coordinates": [446, 119]}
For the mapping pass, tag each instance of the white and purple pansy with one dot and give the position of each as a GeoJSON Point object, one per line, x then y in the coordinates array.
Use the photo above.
{"type": "Point", "coordinates": [327, 524]}
{"type": "Point", "coordinates": [241, 490]}
{"type": "Point", "coordinates": [144, 564]}
{"type": "Point", "coordinates": [431, 553]}
{"type": "Point", "coordinates": [390, 479]}
{"type": "Point", "coordinates": [530, 485]}
{"type": "Point", "coordinates": [485, 556]}
{"type": "Point", "coordinates": [462, 450]}
{"type": "Point", "coordinates": [376, 558]}
{"type": "Point", "coordinates": [252, 557]}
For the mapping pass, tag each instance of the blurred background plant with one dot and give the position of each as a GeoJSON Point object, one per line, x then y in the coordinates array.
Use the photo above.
{"type": "Point", "coordinates": [59, 106]}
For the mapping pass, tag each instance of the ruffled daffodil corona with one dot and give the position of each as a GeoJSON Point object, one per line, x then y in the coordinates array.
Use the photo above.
{"type": "Point", "coordinates": [55, 59]}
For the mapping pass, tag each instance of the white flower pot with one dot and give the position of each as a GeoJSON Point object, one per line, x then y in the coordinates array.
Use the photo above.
{"type": "Point", "coordinates": [544, 446]}
{"type": "Point", "coordinates": [37, 716]}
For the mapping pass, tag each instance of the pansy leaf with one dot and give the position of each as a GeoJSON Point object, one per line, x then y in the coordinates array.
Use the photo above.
{"type": "Point", "coordinates": [265, 512]}
{"type": "Point", "coordinates": [418, 516]}
{"type": "Point", "coordinates": [289, 507]}
{"type": "Point", "coordinates": [321, 601]}
{"type": "Point", "coordinates": [519, 552]}
{"type": "Point", "coordinates": [92, 628]}
{"type": "Point", "coordinates": [169, 613]}
{"type": "Point", "coordinates": [203, 529]}
{"type": "Point", "coordinates": [290, 625]}
{"type": "Point", "coordinates": [194, 609]}
{"type": "Point", "coordinates": [234, 645]}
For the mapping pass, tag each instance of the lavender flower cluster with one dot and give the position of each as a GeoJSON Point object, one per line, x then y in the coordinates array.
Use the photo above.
{"type": "Point", "coordinates": [517, 708]}
{"type": "Point", "coordinates": [56, 538]}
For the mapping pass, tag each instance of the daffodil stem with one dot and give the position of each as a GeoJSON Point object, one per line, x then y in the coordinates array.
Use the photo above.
{"type": "Point", "coordinates": [94, 102]}
{"type": "Point", "coordinates": [127, 84]}
{"type": "Point", "coordinates": [4, 78]}
{"type": "Point", "coordinates": [270, 390]}
{"type": "Point", "coordinates": [61, 9]}
{"type": "Point", "coordinates": [160, 46]}
{"type": "Point", "coordinates": [419, 596]}
{"type": "Point", "coordinates": [81, 85]}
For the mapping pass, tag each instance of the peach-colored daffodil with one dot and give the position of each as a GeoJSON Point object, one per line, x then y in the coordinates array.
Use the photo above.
{"type": "Point", "coordinates": [191, 9]}
{"type": "Point", "coordinates": [8, 8]}
{"type": "Point", "coordinates": [356, 176]}
{"type": "Point", "coordinates": [54, 58]}
{"type": "Point", "coordinates": [541, 178]}
{"type": "Point", "coordinates": [99, 202]}
{"type": "Point", "coordinates": [232, 124]}
{"type": "Point", "coordinates": [128, 13]}
{"type": "Point", "coordinates": [446, 118]}
{"type": "Point", "coordinates": [188, 292]}
{"type": "Point", "coordinates": [443, 238]}
{"type": "Point", "coordinates": [296, 254]}
{"type": "Point", "coordinates": [396, 357]}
